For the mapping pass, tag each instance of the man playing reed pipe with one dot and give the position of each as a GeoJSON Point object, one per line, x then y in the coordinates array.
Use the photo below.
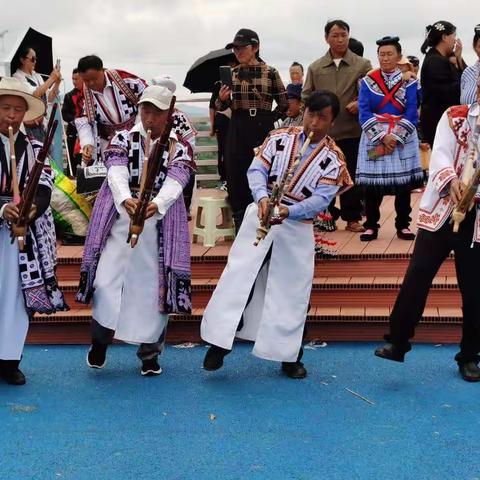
{"type": "Point", "coordinates": [264, 291]}
{"type": "Point", "coordinates": [449, 219]}
{"type": "Point", "coordinates": [27, 263]}
{"type": "Point", "coordinates": [134, 289]}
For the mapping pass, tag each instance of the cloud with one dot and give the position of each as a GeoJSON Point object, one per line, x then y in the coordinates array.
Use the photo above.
{"type": "Point", "coordinates": [155, 36]}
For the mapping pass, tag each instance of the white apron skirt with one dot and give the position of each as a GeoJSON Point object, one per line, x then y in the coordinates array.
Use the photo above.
{"type": "Point", "coordinates": [126, 285]}
{"type": "Point", "coordinates": [13, 316]}
{"type": "Point", "coordinates": [275, 317]}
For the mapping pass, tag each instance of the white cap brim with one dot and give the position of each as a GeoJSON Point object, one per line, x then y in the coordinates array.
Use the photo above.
{"type": "Point", "coordinates": [157, 103]}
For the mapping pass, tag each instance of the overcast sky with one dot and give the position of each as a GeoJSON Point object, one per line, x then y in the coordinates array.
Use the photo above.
{"type": "Point", "coordinates": [150, 37]}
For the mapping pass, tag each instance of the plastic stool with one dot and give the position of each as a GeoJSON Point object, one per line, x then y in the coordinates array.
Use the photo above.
{"type": "Point", "coordinates": [210, 231]}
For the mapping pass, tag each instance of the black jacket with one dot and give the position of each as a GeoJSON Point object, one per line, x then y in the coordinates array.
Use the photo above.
{"type": "Point", "coordinates": [440, 89]}
{"type": "Point", "coordinates": [69, 109]}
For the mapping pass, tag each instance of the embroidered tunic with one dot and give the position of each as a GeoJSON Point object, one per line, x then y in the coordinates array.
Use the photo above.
{"type": "Point", "coordinates": [449, 156]}
{"type": "Point", "coordinates": [165, 242]}
{"type": "Point", "coordinates": [388, 105]}
{"type": "Point", "coordinates": [109, 111]}
{"type": "Point", "coordinates": [321, 166]}
{"type": "Point", "coordinates": [27, 279]}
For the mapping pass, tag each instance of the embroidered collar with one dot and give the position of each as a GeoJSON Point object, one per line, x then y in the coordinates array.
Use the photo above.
{"type": "Point", "coordinates": [391, 78]}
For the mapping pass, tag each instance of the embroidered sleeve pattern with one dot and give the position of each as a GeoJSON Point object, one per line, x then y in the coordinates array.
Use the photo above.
{"type": "Point", "coordinates": [374, 130]}
{"type": "Point", "coordinates": [137, 85]}
{"type": "Point", "coordinates": [443, 178]}
{"type": "Point", "coordinates": [403, 129]}
{"type": "Point", "coordinates": [181, 166]}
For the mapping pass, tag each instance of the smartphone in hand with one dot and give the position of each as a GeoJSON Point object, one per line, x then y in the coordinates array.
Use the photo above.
{"type": "Point", "coordinates": [57, 64]}
{"type": "Point", "coordinates": [226, 76]}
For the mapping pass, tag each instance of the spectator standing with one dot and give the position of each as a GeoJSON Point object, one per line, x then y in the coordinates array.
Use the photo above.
{"type": "Point", "coordinates": [45, 90]}
{"type": "Point", "coordinates": [72, 107]}
{"type": "Point", "coordinates": [388, 158]}
{"type": "Point", "coordinates": [439, 76]}
{"type": "Point", "coordinates": [255, 85]}
{"type": "Point", "coordinates": [295, 106]}
{"type": "Point", "coordinates": [471, 74]}
{"type": "Point", "coordinates": [339, 71]}
{"type": "Point", "coordinates": [296, 73]}
{"type": "Point", "coordinates": [220, 121]}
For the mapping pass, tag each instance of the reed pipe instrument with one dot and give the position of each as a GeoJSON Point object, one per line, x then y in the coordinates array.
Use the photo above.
{"type": "Point", "coordinates": [154, 164]}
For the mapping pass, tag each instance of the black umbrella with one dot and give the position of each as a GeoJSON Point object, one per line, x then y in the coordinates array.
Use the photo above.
{"type": "Point", "coordinates": [42, 44]}
{"type": "Point", "coordinates": [205, 71]}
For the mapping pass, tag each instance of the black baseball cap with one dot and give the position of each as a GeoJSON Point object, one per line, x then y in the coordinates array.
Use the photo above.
{"type": "Point", "coordinates": [294, 91]}
{"type": "Point", "coordinates": [413, 60]}
{"type": "Point", "coordinates": [243, 38]}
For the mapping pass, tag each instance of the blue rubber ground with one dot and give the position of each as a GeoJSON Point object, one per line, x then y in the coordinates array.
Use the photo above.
{"type": "Point", "coordinates": [71, 422]}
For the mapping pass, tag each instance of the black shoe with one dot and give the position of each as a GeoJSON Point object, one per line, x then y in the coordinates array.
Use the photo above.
{"type": "Point", "coordinates": [97, 356]}
{"type": "Point", "coordinates": [294, 369]}
{"type": "Point", "coordinates": [405, 234]}
{"type": "Point", "coordinates": [369, 235]}
{"type": "Point", "coordinates": [151, 367]}
{"type": "Point", "coordinates": [391, 352]}
{"type": "Point", "coordinates": [470, 371]}
{"type": "Point", "coordinates": [13, 376]}
{"type": "Point", "coordinates": [214, 358]}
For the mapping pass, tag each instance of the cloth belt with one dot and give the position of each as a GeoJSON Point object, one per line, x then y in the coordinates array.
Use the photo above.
{"type": "Point", "coordinates": [108, 131]}
{"type": "Point", "coordinates": [251, 112]}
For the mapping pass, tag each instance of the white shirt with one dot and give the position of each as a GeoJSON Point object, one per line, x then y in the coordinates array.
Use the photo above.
{"type": "Point", "coordinates": [337, 62]}
{"type": "Point", "coordinates": [34, 77]}
{"type": "Point", "coordinates": [118, 180]}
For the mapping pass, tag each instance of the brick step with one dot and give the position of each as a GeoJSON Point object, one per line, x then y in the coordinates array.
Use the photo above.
{"type": "Point", "coordinates": [342, 266]}
{"type": "Point", "coordinates": [439, 325]}
{"type": "Point", "coordinates": [69, 289]}
{"type": "Point", "coordinates": [352, 292]}
{"type": "Point", "coordinates": [327, 292]}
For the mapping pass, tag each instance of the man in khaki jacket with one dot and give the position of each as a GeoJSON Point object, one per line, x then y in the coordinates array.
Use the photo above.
{"type": "Point", "coordinates": [339, 71]}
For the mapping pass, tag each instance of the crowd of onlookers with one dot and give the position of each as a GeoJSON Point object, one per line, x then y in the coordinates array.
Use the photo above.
{"type": "Point", "coordinates": [414, 97]}
{"type": "Point", "coordinates": [385, 128]}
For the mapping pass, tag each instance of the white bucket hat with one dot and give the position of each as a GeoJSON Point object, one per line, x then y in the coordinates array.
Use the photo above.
{"type": "Point", "coordinates": [13, 86]}
{"type": "Point", "coordinates": [165, 81]}
{"type": "Point", "coordinates": [158, 96]}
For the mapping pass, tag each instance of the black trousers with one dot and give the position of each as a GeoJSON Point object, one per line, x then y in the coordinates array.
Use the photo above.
{"type": "Point", "coordinates": [351, 200]}
{"type": "Point", "coordinates": [244, 134]}
{"type": "Point", "coordinates": [188, 192]}
{"type": "Point", "coordinates": [75, 160]}
{"type": "Point", "coordinates": [146, 351]}
{"type": "Point", "coordinates": [431, 249]}
{"type": "Point", "coordinates": [221, 124]}
{"type": "Point", "coordinates": [402, 209]}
